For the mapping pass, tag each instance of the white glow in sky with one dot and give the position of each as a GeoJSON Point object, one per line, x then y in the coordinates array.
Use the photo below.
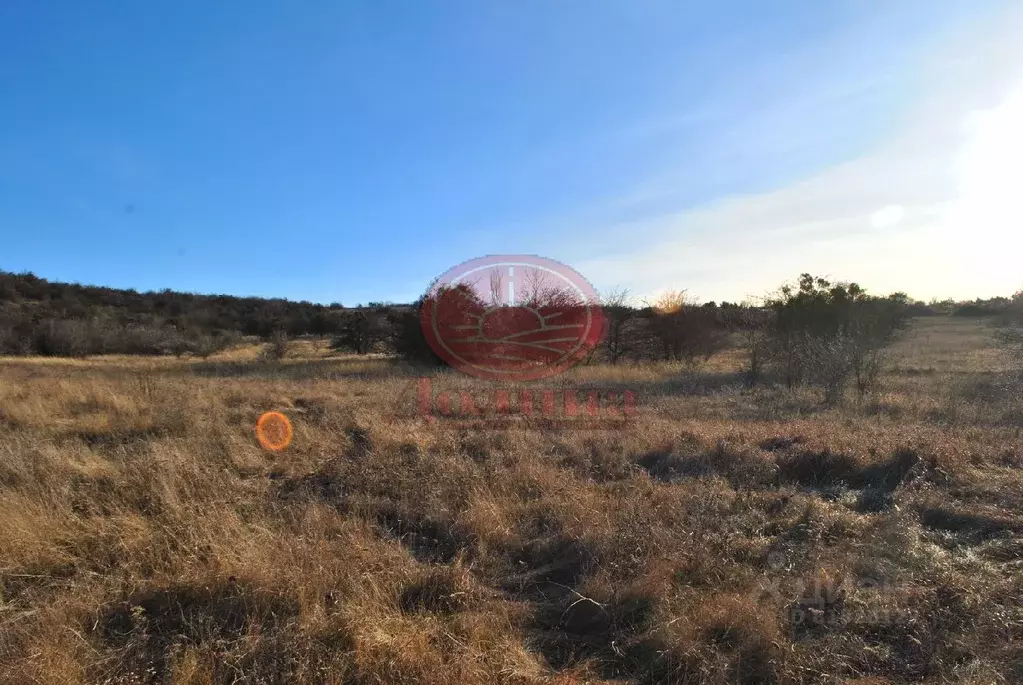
{"type": "Point", "coordinates": [990, 167]}
{"type": "Point", "coordinates": [934, 210]}
{"type": "Point", "coordinates": [887, 216]}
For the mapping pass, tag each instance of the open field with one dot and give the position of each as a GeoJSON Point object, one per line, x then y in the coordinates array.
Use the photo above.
{"type": "Point", "coordinates": [722, 536]}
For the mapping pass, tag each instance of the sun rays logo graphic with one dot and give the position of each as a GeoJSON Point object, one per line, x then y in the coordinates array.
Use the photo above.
{"type": "Point", "coordinates": [512, 317]}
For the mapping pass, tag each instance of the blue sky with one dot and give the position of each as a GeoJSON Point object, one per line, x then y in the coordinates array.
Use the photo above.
{"type": "Point", "coordinates": [351, 151]}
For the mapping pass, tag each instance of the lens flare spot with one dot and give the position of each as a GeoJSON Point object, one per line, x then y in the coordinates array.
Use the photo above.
{"type": "Point", "coordinates": [273, 431]}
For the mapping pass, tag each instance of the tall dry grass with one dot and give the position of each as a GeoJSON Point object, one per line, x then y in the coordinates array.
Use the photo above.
{"type": "Point", "coordinates": [723, 536]}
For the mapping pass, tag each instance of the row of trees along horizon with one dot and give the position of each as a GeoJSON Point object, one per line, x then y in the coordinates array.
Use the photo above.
{"type": "Point", "coordinates": [813, 331]}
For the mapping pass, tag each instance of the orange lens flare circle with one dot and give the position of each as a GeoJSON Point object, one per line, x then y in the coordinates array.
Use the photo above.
{"type": "Point", "coordinates": [273, 430]}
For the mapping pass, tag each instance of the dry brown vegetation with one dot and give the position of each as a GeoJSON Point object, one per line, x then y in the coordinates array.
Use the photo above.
{"type": "Point", "coordinates": [724, 536]}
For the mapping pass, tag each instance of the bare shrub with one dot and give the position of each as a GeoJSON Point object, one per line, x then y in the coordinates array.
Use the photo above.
{"type": "Point", "coordinates": [1010, 332]}
{"type": "Point", "coordinates": [144, 340]}
{"type": "Point", "coordinates": [621, 339]}
{"type": "Point", "coordinates": [406, 332]}
{"type": "Point", "coordinates": [277, 348]}
{"type": "Point", "coordinates": [205, 345]}
{"type": "Point", "coordinates": [753, 325]}
{"type": "Point", "coordinates": [360, 331]}
{"type": "Point", "coordinates": [829, 364]}
{"type": "Point", "coordinates": [687, 333]}
{"type": "Point", "coordinates": [868, 361]}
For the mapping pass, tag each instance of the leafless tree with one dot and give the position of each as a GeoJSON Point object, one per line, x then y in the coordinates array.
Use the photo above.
{"type": "Point", "coordinates": [497, 294]}
{"type": "Point", "coordinates": [539, 289]}
{"type": "Point", "coordinates": [685, 331]}
{"type": "Point", "coordinates": [753, 325]}
{"type": "Point", "coordinates": [619, 315]}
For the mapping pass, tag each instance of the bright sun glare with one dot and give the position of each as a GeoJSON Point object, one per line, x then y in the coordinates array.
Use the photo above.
{"type": "Point", "coordinates": [887, 216]}
{"type": "Point", "coordinates": [990, 169]}
{"type": "Point", "coordinates": [984, 227]}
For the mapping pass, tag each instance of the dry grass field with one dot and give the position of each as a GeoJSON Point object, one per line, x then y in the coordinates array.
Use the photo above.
{"type": "Point", "coordinates": [721, 536]}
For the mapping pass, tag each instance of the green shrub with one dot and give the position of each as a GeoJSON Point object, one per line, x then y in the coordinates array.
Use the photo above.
{"type": "Point", "coordinates": [825, 334]}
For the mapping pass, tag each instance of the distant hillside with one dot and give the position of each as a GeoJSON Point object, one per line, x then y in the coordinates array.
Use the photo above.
{"type": "Point", "coordinates": [48, 317]}
{"type": "Point", "coordinates": [42, 299]}
{"type": "Point", "coordinates": [38, 316]}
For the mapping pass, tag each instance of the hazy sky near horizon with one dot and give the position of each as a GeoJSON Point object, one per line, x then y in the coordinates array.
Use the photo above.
{"type": "Point", "coordinates": [351, 151]}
